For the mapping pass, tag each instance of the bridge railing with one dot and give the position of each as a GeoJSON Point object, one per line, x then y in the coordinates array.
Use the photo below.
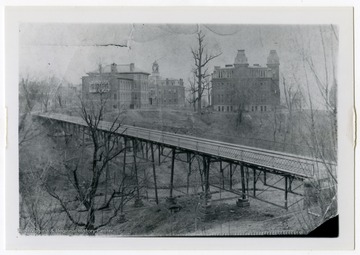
{"type": "Point", "coordinates": [295, 166]}
{"type": "Point", "coordinates": [289, 163]}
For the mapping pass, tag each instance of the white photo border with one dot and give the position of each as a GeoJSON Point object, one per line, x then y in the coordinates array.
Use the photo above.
{"type": "Point", "coordinates": [341, 16]}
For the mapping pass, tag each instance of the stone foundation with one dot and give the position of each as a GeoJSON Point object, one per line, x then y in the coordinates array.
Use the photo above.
{"type": "Point", "coordinates": [206, 212]}
{"type": "Point", "coordinates": [138, 202]}
{"type": "Point", "coordinates": [122, 218]}
{"type": "Point", "coordinates": [171, 200]}
{"type": "Point", "coordinates": [243, 202]}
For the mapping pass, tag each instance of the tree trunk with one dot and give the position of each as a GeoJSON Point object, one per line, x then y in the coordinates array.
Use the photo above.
{"type": "Point", "coordinates": [199, 90]}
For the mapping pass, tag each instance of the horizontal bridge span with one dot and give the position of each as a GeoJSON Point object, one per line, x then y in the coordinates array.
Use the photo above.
{"type": "Point", "coordinates": [303, 167]}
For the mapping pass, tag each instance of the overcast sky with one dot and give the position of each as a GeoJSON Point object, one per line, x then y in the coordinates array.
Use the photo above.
{"type": "Point", "coordinates": [68, 51]}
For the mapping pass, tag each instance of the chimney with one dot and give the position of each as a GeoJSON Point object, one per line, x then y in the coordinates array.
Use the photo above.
{"type": "Point", "coordinates": [113, 68]}
{"type": "Point", "coordinates": [132, 67]}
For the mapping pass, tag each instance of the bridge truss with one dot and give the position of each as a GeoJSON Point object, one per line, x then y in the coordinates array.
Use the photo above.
{"type": "Point", "coordinates": [256, 171]}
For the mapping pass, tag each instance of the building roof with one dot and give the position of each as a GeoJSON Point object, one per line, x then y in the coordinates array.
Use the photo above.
{"type": "Point", "coordinates": [121, 68]}
{"type": "Point", "coordinates": [259, 67]}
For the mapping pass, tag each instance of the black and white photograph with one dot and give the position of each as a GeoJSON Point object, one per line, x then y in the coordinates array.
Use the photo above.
{"type": "Point", "coordinates": [177, 130]}
{"type": "Point", "coordinates": [161, 125]}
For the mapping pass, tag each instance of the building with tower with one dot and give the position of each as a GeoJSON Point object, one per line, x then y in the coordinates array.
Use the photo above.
{"type": "Point", "coordinates": [124, 86]}
{"type": "Point", "coordinates": [165, 92]}
{"type": "Point", "coordinates": [239, 86]}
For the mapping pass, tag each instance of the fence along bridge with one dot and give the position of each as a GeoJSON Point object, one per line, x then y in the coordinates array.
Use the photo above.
{"type": "Point", "coordinates": [254, 164]}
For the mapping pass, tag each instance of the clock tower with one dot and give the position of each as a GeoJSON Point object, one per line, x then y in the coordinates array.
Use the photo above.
{"type": "Point", "coordinates": [155, 69]}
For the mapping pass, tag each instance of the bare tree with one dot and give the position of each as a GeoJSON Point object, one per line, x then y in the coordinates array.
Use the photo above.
{"type": "Point", "coordinates": [208, 88]}
{"type": "Point", "coordinates": [293, 101]}
{"type": "Point", "coordinates": [319, 129]}
{"type": "Point", "coordinates": [201, 60]}
{"type": "Point", "coordinates": [29, 101]}
{"type": "Point", "coordinates": [192, 97]}
{"type": "Point", "coordinates": [37, 214]}
{"type": "Point", "coordinates": [105, 148]}
{"type": "Point", "coordinates": [242, 96]}
{"type": "Point", "coordinates": [48, 92]}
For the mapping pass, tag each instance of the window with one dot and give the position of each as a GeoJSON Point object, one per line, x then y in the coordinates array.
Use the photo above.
{"type": "Point", "coordinates": [219, 108]}
{"type": "Point", "coordinates": [255, 107]}
{"type": "Point", "coordinates": [265, 108]}
{"type": "Point", "coordinates": [231, 108]}
{"type": "Point", "coordinates": [99, 86]}
{"type": "Point", "coordinates": [222, 108]}
{"type": "Point", "coordinates": [227, 108]}
{"type": "Point", "coordinates": [261, 108]}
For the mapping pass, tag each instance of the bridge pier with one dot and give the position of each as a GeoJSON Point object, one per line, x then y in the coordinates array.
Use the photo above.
{"type": "Point", "coordinates": [247, 180]}
{"type": "Point", "coordinates": [154, 173]}
{"type": "Point", "coordinates": [222, 175]}
{"type": "Point", "coordinates": [264, 177]}
{"type": "Point", "coordinates": [171, 199]}
{"type": "Point", "coordinates": [244, 200]}
{"type": "Point", "coordinates": [189, 159]}
{"type": "Point", "coordinates": [159, 150]}
{"type": "Point", "coordinates": [138, 201]}
{"type": "Point", "coordinates": [230, 176]}
{"type": "Point", "coordinates": [206, 210]}
{"type": "Point", "coordinates": [286, 192]}
{"type": "Point", "coordinates": [254, 180]}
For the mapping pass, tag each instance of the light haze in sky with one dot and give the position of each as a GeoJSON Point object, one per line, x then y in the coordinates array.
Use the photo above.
{"type": "Point", "coordinates": [69, 51]}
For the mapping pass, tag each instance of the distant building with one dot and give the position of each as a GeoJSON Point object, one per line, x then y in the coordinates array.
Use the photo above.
{"type": "Point", "coordinates": [165, 92]}
{"type": "Point", "coordinates": [125, 86]}
{"type": "Point", "coordinates": [250, 88]}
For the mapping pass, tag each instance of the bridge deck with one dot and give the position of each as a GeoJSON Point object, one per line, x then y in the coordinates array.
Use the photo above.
{"type": "Point", "coordinates": [299, 166]}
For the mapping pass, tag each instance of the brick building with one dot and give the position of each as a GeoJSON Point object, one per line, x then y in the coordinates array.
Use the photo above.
{"type": "Point", "coordinates": [165, 92]}
{"type": "Point", "coordinates": [125, 86]}
{"type": "Point", "coordinates": [250, 88]}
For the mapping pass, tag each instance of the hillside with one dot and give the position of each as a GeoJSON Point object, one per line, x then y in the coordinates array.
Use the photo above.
{"type": "Point", "coordinates": [267, 130]}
